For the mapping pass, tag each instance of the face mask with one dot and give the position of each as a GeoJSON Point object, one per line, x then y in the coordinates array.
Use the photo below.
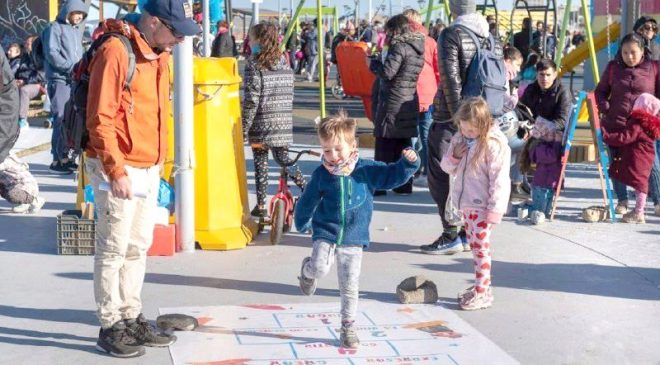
{"type": "Point", "coordinates": [255, 49]}
{"type": "Point", "coordinates": [470, 141]}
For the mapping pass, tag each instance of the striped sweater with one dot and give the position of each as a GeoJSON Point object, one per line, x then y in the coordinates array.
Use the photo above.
{"type": "Point", "coordinates": [268, 104]}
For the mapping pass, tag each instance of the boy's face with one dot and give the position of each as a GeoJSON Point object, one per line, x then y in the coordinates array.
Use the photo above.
{"type": "Point", "coordinates": [337, 150]}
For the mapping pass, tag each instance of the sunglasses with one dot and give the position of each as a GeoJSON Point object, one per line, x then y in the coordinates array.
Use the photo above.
{"type": "Point", "coordinates": [652, 27]}
{"type": "Point", "coordinates": [171, 29]}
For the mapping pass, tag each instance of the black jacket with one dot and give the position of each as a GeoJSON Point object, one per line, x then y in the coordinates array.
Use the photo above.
{"type": "Point", "coordinates": [398, 105]}
{"type": "Point", "coordinates": [223, 46]}
{"type": "Point", "coordinates": [455, 53]}
{"type": "Point", "coordinates": [521, 41]}
{"type": "Point", "coordinates": [554, 104]}
{"type": "Point", "coordinates": [8, 107]}
{"type": "Point", "coordinates": [28, 72]}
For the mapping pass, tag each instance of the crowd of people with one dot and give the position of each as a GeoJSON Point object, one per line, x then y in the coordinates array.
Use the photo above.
{"type": "Point", "coordinates": [444, 100]}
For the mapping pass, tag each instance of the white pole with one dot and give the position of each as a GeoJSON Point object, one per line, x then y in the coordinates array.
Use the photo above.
{"type": "Point", "coordinates": [371, 11]}
{"type": "Point", "coordinates": [255, 12]}
{"type": "Point", "coordinates": [279, 13]}
{"type": "Point", "coordinates": [207, 28]}
{"type": "Point", "coordinates": [184, 149]}
{"type": "Point", "coordinates": [390, 8]}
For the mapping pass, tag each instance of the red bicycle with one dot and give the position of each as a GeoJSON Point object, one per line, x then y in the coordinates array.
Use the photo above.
{"type": "Point", "coordinates": [280, 208]}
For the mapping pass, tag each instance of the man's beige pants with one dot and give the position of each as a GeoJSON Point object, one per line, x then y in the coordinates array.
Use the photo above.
{"type": "Point", "coordinates": [124, 232]}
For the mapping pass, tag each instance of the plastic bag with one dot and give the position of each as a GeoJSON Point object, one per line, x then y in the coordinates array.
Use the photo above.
{"type": "Point", "coordinates": [166, 195]}
{"type": "Point", "coordinates": [453, 215]}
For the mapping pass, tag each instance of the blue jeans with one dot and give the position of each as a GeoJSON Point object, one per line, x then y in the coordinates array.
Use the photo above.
{"type": "Point", "coordinates": [517, 145]}
{"type": "Point", "coordinates": [424, 122]}
{"type": "Point", "coordinates": [654, 179]}
{"type": "Point", "coordinates": [59, 93]}
{"type": "Point", "coordinates": [542, 200]}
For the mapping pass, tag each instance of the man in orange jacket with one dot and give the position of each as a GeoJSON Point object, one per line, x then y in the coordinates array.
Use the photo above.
{"type": "Point", "coordinates": [127, 147]}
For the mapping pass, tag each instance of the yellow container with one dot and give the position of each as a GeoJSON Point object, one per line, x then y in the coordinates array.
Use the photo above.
{"type": "Point", "coordinates": [222, 218]}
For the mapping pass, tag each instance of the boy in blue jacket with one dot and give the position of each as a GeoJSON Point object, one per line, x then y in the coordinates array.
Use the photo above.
{"type": "Point", "coordinates": [337, 205]}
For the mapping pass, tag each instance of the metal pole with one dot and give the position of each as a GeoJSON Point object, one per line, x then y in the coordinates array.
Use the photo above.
{"type": "Point", "coordinates": [206, 42]}
{"type": "Point", "coordinates": [255, 12]}
{"type": "Point", "coordinates": [291, 8]}
{"type": "Point", "coordinates": [184, 144]}
{"type": "Point", "coordinates": [290, 28]}
{"type": "Point", "coordinates": [371, 11]}
{"type": "Point", "coordinates": [590, 39]}
{"type": "Point", "coordinates": [429, 14]}
{"type": "Point", "coordinates": [321, 56]}
{"type": "Point", "coordinates": [390, 8]}
{"type": "Point", "coordinates": [447, 11]}
{"type": "Point", "coordinates": [279, 13]}
{"type": "Point", "coordinates": [562, 37]}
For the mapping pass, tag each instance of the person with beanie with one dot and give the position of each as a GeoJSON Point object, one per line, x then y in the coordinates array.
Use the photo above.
{"type": "Point", "coordinates": [647, 27]}
{"type": "Point", "coordinates": [456, 49]}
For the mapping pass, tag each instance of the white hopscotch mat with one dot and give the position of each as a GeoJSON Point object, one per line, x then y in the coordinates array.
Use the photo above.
{"type": "Point", "coordinates": [308, 334]}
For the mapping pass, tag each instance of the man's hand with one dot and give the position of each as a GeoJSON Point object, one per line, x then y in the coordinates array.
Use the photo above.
{"type": "Point", "coordinates": [19, 83]}
{"type": "Point", "coordinates": [121, 188]}
{"type": "Point", "coordinates": [410, 155]}
{"type": "Point", "coordinates": [460, 150]}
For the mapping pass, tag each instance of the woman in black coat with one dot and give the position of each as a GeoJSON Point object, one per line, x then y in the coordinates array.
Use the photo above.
{"type": "Point", "coordinates": [398, 68]}
{"type": "Point", "coordinates": [223, 45]}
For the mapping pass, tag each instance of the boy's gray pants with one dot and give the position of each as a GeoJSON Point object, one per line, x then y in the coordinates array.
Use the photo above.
{"type": "Point", "coordinates": [349, 264]}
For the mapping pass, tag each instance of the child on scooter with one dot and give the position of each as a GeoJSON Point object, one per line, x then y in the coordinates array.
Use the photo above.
{"type": "Point", "coordinates": [337, 205]}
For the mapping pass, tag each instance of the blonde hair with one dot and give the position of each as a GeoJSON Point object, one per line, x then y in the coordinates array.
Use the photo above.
{"type": "Point", "coordinates": [338, 127]}
{"type": "Point", "coordinates": [475, 112]}
{"type": "Point", "coordinates": [412, 15]}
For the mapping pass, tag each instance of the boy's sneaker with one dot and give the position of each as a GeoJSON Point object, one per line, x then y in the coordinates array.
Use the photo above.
{"type": "Point", "coordinates": [444, 246]}
{"type": "Point", "coordinates": [59, 168]}
{"type": "Point", "coordinates": [348, 337]}
{"type": "Point", "coordinates": [634, 217]}
{"type": "Point", "coordinates": [307, 286]}
{"type": "Point", "coordinates": [258, 212]}
{"type": "Point", "coordinates": [466, 244]}
{"type": "Point", "coordinates": [23, 124]}
{"type": "Point", "coordinates": [621, 207]}
{"type": "Point", "coordinates": [117, 342]}
{"type": "Point", "coordinates": [470, 300]}
{"type": "Point", "coordinates": [145, 334]}
{"type": "Point", "coordinates": [71, 165]}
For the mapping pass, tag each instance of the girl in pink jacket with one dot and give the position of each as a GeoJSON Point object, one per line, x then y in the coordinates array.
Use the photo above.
{"type": "Point", "coordinates": [478, 159]}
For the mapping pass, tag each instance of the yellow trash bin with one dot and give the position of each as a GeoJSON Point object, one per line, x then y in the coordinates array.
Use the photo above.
{"type": "Point", "coordinates": [222, 218]}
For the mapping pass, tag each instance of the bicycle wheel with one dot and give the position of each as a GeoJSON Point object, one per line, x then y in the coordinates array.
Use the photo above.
{"type": "Point", "coordinates": [277, 222]}
{"type": "Point", "coordinates": [338, 91]}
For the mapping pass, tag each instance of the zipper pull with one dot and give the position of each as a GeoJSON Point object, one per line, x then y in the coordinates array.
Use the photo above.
{"type": "Point", "coordinates": [350, 191]}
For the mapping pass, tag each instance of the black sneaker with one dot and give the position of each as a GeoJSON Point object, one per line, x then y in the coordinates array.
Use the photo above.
{"type": "Point", "coordinates": [71, 165]}
{"type": "Point", "coordinates": [116, 342]}
{"type": "Point", "coordinates": [444, 245]}
{"type": "Point", "coordinates": [145, 334]}
{"type": "Point", "coordinates": [259, 212]}
{"type": "Point", "coordinates": [59, 168]}
{"type": "Point", "coordinates": [348, 337]}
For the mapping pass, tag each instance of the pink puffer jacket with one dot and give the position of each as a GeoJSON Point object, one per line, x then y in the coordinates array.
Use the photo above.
{"type": "Point", "coordinates": [486, 186]}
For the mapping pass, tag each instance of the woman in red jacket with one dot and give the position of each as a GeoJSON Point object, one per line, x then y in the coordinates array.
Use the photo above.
{"type": "Point", "coordinates": [623, 81]}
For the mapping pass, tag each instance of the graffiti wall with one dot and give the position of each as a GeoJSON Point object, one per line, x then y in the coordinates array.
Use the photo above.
{"type": "Point", "coordinates": [20, 18]}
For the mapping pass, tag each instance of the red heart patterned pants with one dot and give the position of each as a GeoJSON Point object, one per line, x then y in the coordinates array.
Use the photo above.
{"type": "Point", "coordinates": [478, 235]}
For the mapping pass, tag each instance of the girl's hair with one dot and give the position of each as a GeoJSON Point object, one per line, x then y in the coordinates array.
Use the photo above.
{"type": "Point", "coordinates": [532, 60]}
{"type": "Point", "coordinates": [266, 34]}
{"type": "Point", "coordinates": [398, 24]}
{"type": "Point", "coordinates": [339, 126]}
{"type": "Point", "coordinates": [512, 53]}
{"type": "Point", "coordinates": [475, 112]}
{"type": "Point", "coordinates": [633, 38]}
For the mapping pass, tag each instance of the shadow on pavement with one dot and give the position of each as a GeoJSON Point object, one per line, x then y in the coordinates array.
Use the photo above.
{"type": "Point", "coordinates": [49, 314]}
{"type": "Point", "coordinates": [588, 279]}
{"type": "Point", "coordinates": [28, 233]}
{"type": "Point", "coordinates": [46, 343]}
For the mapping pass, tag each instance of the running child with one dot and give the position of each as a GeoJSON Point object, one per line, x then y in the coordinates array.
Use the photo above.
{"type": "Point", "coordinates": [337, 205]}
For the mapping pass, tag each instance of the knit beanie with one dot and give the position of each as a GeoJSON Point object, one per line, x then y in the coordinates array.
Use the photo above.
{"type": "Point", "coordinates": [462, 7]}
{"type": "Point", "coordinates": [647, 103]}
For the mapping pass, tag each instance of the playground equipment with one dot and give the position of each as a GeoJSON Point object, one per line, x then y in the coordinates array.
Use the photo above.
{"type": "Point", "coordinates": [352, 65]}
{"type": "Point", "coordinates": [550, 6]}
{"type": "Point", "coordinates": [581, 53]}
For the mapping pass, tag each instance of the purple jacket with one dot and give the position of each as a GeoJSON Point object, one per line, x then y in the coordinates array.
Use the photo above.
{"type": "Point", "coordinates": [547, 157]}
{"type": "Point", "coordinates": [620, 86]}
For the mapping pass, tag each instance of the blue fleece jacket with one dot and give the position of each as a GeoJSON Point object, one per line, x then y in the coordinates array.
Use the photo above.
{"type": "Point", "coordinates": [339, 208]}
{"type": "Point", "coordinates": [62, 43]}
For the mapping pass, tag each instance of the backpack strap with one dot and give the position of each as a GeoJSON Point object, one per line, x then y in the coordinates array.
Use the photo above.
{"type": "Point", "coordinates": [129, 49]}
{"type": "Point", "coordinates": [475, 39]}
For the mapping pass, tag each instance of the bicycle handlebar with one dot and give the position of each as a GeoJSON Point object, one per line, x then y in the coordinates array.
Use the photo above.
{"type": "Point", "coordinates": [298, 155]}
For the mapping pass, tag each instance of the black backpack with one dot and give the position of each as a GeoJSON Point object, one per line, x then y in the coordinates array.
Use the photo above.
{"type": "Point", "coordinates": [74, 124]}
{"type": "Point", "coordinates": [37, 56]}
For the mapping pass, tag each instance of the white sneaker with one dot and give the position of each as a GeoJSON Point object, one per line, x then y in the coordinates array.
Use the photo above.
{"type": "Point", "coordinates": [33, 207]}
{"type": "Point", "coordinates": [421, 182]}
{"type": "Point", "coordinates": [537, 218]}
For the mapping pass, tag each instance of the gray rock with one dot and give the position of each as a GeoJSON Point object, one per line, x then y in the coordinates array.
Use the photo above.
{"type": "Point", "coordinates": [417, 290]}
{"type": "Point", "coordinates": [177, 322]}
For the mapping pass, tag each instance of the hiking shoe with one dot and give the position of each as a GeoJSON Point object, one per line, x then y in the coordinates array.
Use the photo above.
{"type": "Point", "coordinates": [634, 217]}
{"type": "Point", "coordinates": [145, 334]}
{"type": "Point", "coordinates": [307, 286]}
{"type": "Point", "coordinates": [443, 246]}
{"type": "Point", "coordinates": [116, 342]}
{"type": "Point", "coordinates": [59, 168]}
{"type": "Point", "coordinates": [259, 212]}
{"type": "Point", "coordinates": [348, 337]}
{"type": "Point", "coordinates": [621, 207]}
{"type": "Point", "coordinates": [470, 300]}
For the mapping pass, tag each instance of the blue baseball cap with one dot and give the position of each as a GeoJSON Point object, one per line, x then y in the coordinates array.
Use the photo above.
{"type": "Point", "coordinates": [176, 14]}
